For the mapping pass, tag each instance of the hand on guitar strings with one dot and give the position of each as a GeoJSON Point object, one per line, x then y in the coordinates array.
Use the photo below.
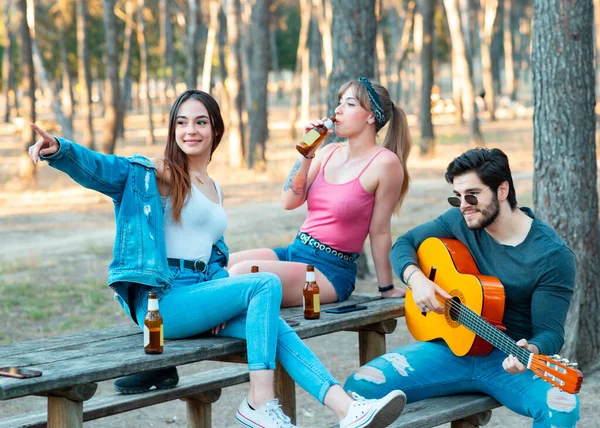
{"type": "Point", "coordinates": [427, 294]}
{"type": "Point", "coordinates": [512, 365]}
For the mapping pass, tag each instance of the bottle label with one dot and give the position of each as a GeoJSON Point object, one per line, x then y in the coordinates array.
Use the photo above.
{"type": "Point", "coordinates": [310, 277]}
{"type": "Point", "coordinates": [162, 336]}
{"type": "Point", "coordinates": [303, 303]}
{"type": "Point", "coordinates": [153, 304]}
{"type": "Point", "coordinates": [328, 124]}
{"type": "Point", "coordinates": [310, 137]}
{"type": "Point", "coordinates": [146, 336]}
{"type": "Point", "coordinates": [316, 303]}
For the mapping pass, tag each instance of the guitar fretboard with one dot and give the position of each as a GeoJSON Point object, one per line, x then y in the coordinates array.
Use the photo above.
{"type": "Point", "coordinates": [487, 331]}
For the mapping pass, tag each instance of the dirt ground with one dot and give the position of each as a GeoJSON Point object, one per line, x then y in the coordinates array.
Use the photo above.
{"type": "Point", "coordinates": [57, 240]}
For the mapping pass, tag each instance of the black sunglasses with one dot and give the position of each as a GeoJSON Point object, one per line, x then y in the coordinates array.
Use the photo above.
{"type": "Point", "coordinates": [469, 199]}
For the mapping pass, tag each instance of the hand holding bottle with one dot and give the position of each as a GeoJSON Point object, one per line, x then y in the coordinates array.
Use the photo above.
{"type": "Point", "coordinates": [315, 133]}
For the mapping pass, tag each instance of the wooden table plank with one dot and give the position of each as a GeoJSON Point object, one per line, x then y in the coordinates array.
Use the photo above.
{"type": "Point", "coordinates": [117, 351]}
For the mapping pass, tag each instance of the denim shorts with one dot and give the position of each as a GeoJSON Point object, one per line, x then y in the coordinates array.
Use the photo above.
{"type": "Point", "coordinates": [341, 273]}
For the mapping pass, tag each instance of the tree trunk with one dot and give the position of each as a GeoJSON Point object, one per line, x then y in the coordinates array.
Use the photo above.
{"type": "Point", "coordinates": [324, 16]}
{"type": "Point", "coordinates": [27, 168]}
{"type": "Point", "coordinates": [166, 34]}
{"type": "Point", "coordinates": [509, 70]}
{"type": "Point", "coordinates": [234, 82]}
{"type": "Point", "coordinates": [144, 80]}
{"type": "Point", "coordinates": [259, 76]}
{"type": "Point", "coordinates": [125, 67]}
{"type": "Point", "coordinates": [211, 37]}
{"type": "Point", "coordinates": [112, 111]}
{"type": "Point", "coordinates": [7, 61]}
{"type": "Point", "coordinates": [597, 44]}
{"type": "Point", "coordinates": [381, 60]}
{"type": "Point", "coordinates": [40, 70]}
{"type": "Point", "coordinates": [84, 76]}
{"type": "Point", "coordinates": [488, 12]}
{"type": "Point", "coordinates": [192, 43]}
{"type": "Point", "coordinates": [426, 10]}
{"type": "Point", "coordinates": [301, 53]}
{"type": "Point", "coordinates": [565, 174]}
{"type": "Point", "coordinates": [275, 58]}
{"type": "Point", "coordinates": [354, 30]}
{"type": "Point", "coordinates": [67, 85]}
{"type": "Point", "coordinates": [515, 31]}
{"type": "Point", "coordinates": [402, 49]}
{"type": "Point", "coordinates": [458, 51]}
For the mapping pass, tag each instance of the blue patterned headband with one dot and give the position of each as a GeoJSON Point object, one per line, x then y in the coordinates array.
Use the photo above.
{"type": "Point", "coordinates": [375, 103]}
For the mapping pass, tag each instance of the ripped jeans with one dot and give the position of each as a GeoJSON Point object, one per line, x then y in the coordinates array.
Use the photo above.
{"type": "Point", "coordinates": [430, 369]}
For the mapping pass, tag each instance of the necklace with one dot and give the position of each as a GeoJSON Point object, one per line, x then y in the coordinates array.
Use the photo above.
{"type": "Point", "coordinates": [197, 176]}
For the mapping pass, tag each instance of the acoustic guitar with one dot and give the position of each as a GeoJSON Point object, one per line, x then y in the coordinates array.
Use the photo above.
{"type": "Point", "coordinates": [472, 320]}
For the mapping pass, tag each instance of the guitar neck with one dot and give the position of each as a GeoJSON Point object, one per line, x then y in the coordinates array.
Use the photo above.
{"type": "Point", "coordinates": [488, 332]}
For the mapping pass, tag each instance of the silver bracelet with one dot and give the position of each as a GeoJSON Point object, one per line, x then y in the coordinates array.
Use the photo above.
{"type": "Point", "coordinates": [409, 275]}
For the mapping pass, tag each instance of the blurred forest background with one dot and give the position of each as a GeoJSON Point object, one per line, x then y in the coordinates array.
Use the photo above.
{"type": "Point", "coordinates": [83, 68]}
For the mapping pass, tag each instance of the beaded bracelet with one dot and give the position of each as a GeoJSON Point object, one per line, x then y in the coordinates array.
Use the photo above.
{"type": "Point", "coordinates": [386, 288]}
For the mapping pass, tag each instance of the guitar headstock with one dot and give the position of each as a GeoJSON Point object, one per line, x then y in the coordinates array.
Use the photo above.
{"type": "Point", "coordinates": [558, 371]}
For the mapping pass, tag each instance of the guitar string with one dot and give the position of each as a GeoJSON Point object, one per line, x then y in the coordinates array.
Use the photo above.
{"type": "Point", "coordinates": [474, 322]}
{"type": "Point", "coordinates": [478, 325]}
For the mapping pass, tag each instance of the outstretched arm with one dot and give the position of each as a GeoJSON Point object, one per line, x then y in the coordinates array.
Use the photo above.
{"type": "Point", "coordinates": [104, 173]}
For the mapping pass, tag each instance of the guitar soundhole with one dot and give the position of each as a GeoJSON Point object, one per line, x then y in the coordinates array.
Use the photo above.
{"type": "Point", "coordinates": [454, 311]}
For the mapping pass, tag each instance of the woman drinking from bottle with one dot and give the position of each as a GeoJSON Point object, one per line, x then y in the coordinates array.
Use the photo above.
{"type": "Point", "coordinates": [351, 189]}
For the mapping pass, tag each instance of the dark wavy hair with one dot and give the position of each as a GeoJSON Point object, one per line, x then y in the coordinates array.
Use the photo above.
{"type": "Point", "coordinates": [490, 165]}
{"type": "Point", "coordinates": [176, 159]}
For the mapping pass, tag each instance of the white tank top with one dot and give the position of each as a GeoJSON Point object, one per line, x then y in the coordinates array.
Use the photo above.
{"type": "Point", "coordinates": [203, 222]}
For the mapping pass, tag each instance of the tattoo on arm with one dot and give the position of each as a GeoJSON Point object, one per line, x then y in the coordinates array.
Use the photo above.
{"type": "Point", "coordinates": [295, 182]}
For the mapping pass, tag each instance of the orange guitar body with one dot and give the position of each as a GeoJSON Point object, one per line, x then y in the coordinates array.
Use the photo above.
{"type": "Point", "coordinates": [456, 273]}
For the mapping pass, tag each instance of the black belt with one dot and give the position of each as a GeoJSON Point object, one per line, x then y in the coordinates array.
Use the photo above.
{"type": "Point", "coordinates": [196, 265]}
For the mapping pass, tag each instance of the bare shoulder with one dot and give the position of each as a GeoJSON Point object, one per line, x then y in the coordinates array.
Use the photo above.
{"type": "Point", "coordinates": [387, 161]}
{"type": "Point", "coordinates": [330, 148]}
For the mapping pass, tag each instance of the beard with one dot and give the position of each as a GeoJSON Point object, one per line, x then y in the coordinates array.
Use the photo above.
{"type": "Point", "coordinates": [489, 213]}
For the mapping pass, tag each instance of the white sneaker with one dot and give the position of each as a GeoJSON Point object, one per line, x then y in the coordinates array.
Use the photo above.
{"type": "Point", "coordinates": [266, 416]}
{"type": "Point", "coordinates": [374, 413]}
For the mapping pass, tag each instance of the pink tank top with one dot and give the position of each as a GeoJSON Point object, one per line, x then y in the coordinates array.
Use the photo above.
{"type": "Point", "coordinates": [339, 215]}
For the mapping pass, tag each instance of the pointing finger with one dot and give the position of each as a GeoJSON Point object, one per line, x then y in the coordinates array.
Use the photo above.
{"type": "Point", "coordinates": [40, 131]}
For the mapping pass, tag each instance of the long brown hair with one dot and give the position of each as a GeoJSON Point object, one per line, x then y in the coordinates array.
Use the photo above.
{"type": "Point", "coordinates": [397, 138]}
{"type": "Point", "coordinates": [176, 160]}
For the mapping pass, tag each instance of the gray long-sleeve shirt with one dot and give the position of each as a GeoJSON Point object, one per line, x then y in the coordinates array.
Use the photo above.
{"type": "Point", "coordinates": [538, 274]}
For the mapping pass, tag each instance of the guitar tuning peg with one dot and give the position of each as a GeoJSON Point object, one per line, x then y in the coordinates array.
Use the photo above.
{"type": "Point", "coordinates": [556, 357]}
{"type": "Point", "coordinates": [564, 360]}
{"type": "Point", "coordinates": [573, 365]}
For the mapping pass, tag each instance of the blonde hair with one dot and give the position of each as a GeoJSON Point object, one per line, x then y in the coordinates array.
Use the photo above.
{"type": "Point", "coordinates": [397, 139]}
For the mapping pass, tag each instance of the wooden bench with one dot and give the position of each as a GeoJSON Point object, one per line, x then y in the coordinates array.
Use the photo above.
{"type": "Point", "coordinates": [463, 411]}
{"type": "Point", "coordinates": [72, 365]}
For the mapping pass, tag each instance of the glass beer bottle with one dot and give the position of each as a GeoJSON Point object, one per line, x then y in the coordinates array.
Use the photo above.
{"type": "Point", "coordinates": [313, 138]}
{"type": "Point", "coordinates": [153, 327]}
{"type": "Point", "coordinates": [311, 296]}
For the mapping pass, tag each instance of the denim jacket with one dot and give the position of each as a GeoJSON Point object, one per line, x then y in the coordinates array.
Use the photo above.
{"type": "Point", "coordinates": [139, 250]}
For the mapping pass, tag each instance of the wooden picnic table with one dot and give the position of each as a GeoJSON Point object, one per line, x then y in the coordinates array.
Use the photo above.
{"type": "Point", "coordinates": [73, 364]}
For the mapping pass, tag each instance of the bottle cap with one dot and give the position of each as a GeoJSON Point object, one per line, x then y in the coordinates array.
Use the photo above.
{"type": "Point", "coordinates": [329, 122]}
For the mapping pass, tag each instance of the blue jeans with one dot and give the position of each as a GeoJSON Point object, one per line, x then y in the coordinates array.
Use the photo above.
{"type": "Point", "coordinates": [250, 306]}
{"type": "Point", "coordinates": [430, 369]}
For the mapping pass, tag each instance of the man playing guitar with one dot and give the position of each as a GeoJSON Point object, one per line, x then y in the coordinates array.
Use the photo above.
{"type": "Point", "coordinates": [537, 271]}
